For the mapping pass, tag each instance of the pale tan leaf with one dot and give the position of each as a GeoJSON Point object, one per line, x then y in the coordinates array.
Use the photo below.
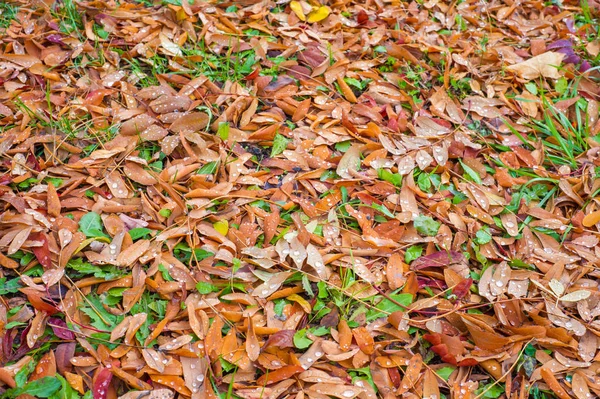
{"type": "Point", "coordinates": [556, 287]}
{"type": "Point", "coordinates": [349, 162]}
{"type": "Point", "coordinates": [544, 65]}
{"type": "Point", "coordinates": [576, 296]}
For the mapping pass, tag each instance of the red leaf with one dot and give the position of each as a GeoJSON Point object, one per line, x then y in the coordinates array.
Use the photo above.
{"type": "Point", "coordinates": [63, 355]}
{"type": "Point", "coordinates": [32, 160]}
{"type": "Point", "coordinates": [42, 253]}
{"type": "Point", "coordinates": [461, 289]}
{"type": "Point", "coordinates": [468, 362]}
{"type": "Point", "coordinates": [362, 17]}
{"type": "Point", "coordinates": [281, 339]}
{"type": "Point", "coordinates": [395, 376]}
{"type": "Point", "coordinates": [38, 302]}
{"type": "Point", "coordinates": [252, 75]}
{"type": "Point", "coordinates": [437, 259]}
{"type": "Point", "coordinates": [101, 383]}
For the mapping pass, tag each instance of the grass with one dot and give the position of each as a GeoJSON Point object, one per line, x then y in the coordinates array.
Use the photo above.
{"type": "Point", "coordinates": [564, 140]}
{"type": "Point", "coordinates": [74, 128]}
{"type": "Point", "coordinates": [143, 74]}
{"type": "Point", "coordinates": [564, 137]}
{"type": "Point", "coordinates": [70, 18]}
{"type": "Point", "coordinates": [8, 13]}
{"type": "Point", "coordinates": [219, 67]}
{"type": "Point", "coordinates": [200, 60]}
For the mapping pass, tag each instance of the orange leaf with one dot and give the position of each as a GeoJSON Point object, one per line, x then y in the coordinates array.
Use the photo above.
{"type": "Point", "coordinates": [172, 382]}
{"type": "Point", "coordinates": [45, 367]}
{"type": "Point", "coordinates": [412, 373]}
{"type": "Point", "coordinates": [53, 201]}
{"type": "Point", "coordinates": [364, 340]}
{"type": "Point", "coordinates": [279, 375]}
{"type": "Point", "coordinates": [591, 219]}
{"type": "Point", "coordinates": [214, 339]}
{"type": "Point", "coordinates": [252, 344]}
{"type": "Point", "coordinates": [553, 383]}
{"type": "Point", "coordinates": [345, 335]}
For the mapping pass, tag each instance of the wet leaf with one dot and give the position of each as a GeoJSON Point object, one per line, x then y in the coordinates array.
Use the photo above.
{"type": "Point", "coordinates": [304, 199]}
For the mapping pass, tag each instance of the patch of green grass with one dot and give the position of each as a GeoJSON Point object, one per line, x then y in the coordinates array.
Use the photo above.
{"type": "Point", "coordinates": [147, 70]}
{"type": "Point", "coordinates": [461, 24]}
{"type": "Point", "coordinates": [70, 18]}
{"type": "Point", "coordinates": [586, 13]}
{"type": "Point", "coordinates": [158, 64]}
{"type": "Point", "coordinates": [275, 69]}
{"type": "Point", "coordinates": [8, 13]}
{"type": "Point", "coordinates": [564, 139]}
{"type": "Point", "coordinates": [219, 67]}
{"type": "Point", "coordinates": [142, 73]}
{"type": "Point", "coordinates": [73, 127]}
{"type": "Point", "coordinates": [414, 75]}
{"type": "Point", "coordinates": [389, 65]}
{"type": "Point", "coordinates": [459, 88]}
{"type": "Point", "coordinates": [100, 136]}
{"type": "Point", "coordinates": [564, 136]}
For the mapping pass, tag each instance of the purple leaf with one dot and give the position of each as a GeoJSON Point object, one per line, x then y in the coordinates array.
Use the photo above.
{"type": "Point", "coordinates": [585, 66]}
{"type": "Point", "coordinates": [278, 83]}
{"type": "Point", "coordinates": [560, 44]}
{"type": "Point", "coordinates": [570, 23]}
{"type": "Point", "coordinates": [431, 282]}
{"type": "Point", "coordinates": [56, 39]}
{"type": "Point", "coordinates": [53, 25]}
{"type": "Point", "coordinates": [63, 354]}
{"type": "Point", "coordinates": [299, 72]}
{"type": "Point", "coordinates": [60, 329]}
{"type": "Point", "coordinates": [571, 57]}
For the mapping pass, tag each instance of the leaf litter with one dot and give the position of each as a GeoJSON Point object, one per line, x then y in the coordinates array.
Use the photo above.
{"type": "Point", "coordinates": [299, 199]}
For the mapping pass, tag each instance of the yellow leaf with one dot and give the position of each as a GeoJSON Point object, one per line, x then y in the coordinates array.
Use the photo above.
{"type": "Point", "coordinates": [222, 226]}
{"type": "Point", "coordinates": [181, 15]}
{"type": "Point", "coordinates": [88, 241]}
{"type": "Point", "coordinates": [320, 14]}
{"type": "Point", "coordinates": [591, 219]}
{"type": "Point", "coordinates": [297, 9]}
{"type": "Point", "coordinates": [301, 301]}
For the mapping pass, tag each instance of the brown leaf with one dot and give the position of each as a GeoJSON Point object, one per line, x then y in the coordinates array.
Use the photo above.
{"type": "Point", "coordinates": [281, 339]}
{"type": "Point", "coordinates": [191, 122]}
{"type": "Point", "coordinates": [133, 253]}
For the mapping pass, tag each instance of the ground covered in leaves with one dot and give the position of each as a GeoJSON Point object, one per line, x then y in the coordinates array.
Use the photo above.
{"type": "Point", "coordinates": [293, 199]}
